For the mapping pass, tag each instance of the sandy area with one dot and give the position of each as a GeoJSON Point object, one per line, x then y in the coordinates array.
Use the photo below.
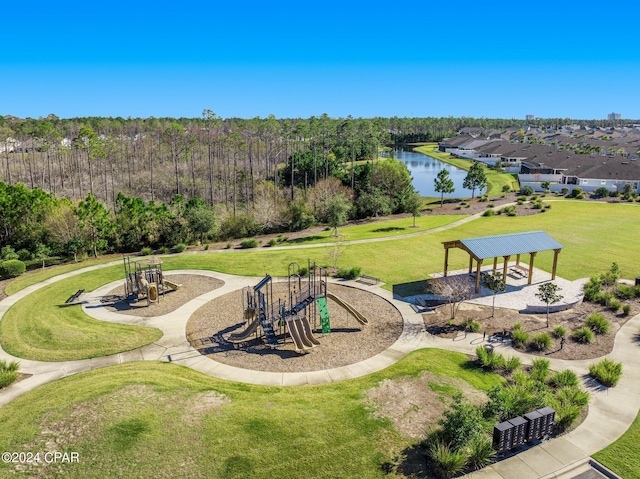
{"type": "Point", "coordinates": [348, 342]}
{"type": "Point", "coordinates": [192, 286]}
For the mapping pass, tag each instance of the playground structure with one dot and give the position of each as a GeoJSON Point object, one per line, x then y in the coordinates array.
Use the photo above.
{"type": "Point", "coordinates": [144, 279]}
{"type": "Point", "coordinates": [307, 296]}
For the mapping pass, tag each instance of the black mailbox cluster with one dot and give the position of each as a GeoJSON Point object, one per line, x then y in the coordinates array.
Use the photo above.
{"type": "Point", "coordinates": [515, 432]}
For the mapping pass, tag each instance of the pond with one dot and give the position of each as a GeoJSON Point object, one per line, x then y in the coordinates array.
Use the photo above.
{"type": "Point", "coordinates": [424, 170]}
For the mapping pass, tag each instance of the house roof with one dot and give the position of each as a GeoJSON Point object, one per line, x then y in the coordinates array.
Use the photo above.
{"type": "Point", "coordinates": [506, 245]}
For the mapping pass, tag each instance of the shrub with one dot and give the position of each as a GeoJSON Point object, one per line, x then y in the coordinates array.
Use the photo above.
{"type": "Point", "coordinates": [520, 377]}
{"type": "Point", "coordinates": [479, 452]}
{"type": "Point", "coordinates": [597, 323]}
{"type": "Point", "coordinates": [625, 291]}
{"type": "Point", "coordinates": [206, 247]}
{"type": "Point", "coordinates": [583, 335]}
{"type": "Point", "coordinates": [239, 226]}
{"type": "Point", "coordinates": [626, 309]}
{"type": "Point", "coordinates": [164, 250]}
{"type": "Point", "coordinates": [566, 415]}
{"type": "Point", "coordinates": [8, 373]}
{"type": "Point", "coordinates": [272, 242]}
{"type": "Point", "coordinates": [229, 245]}
{"type": "Point", "coordinates": [490, 205]}
{"type": "Point", "coordinates": [488, 213]}
{"type": "Point", "coordinates": [471, 325]}
{"type": "Point", "coordinates": [526, 190]}
{"type": "Point", "coordinates": [564, 378]}
{"type": "Point", "coordinates": [573, 395]}
{"type": "Point", "coordinates": [512, 363]}
{"type": "Point", "coordinates": [601, 192]}
{"type": "Point", "coordinates": [448, 462]}
{"type": "Point", "coordinates": [607, 372]}
{"type": "Point", "coordinates": [7, 253]}
{"type": "Point", "coordinates": [249, 243]}
{"type": "Point", "coordinates": [613, 304]}
{"type": "Point", "coordinates": [24, 255]}
{"type": "Point", "coordinates": [488, 358]}
{"type": "Point", "coordinates": [565, 191]}
{"type": "Point", "coordinates": [348, 273]}
{"type": "Point", "coordinates": [180, 247]}
{"type": "Point", "coordinates": [592, 288]}
{"type": "Point", "coordinates": [303, 271]}
{"type": "Point", "coordinates": [461, 422]}
{"type": "Point", "coordinates": [541, 341]}
{"type": "Point", "coordinates": [12, 268]}
{"type": "Point", "coordinates": [146, 251]}
{"type": "Point", "coordinates": [540, 369]}
{"type": "Point", "coordinates": [516, 326]}
{"type": "Point", "coordinates": [559, 332]}
{"type": "Point", "coordinates": [522, 198]}
{"type": "Point", "coordinates": [519, 338]}
{"type": "Point", "coordinates": [7, 378]}
{"type": "Point", "coordinates": [576, 192]}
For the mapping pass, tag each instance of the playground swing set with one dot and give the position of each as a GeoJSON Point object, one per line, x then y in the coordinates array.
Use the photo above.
{"type": "Point", "coordinates": [144, 280]}
{"type": "Point", "coordinates": [307, 295]}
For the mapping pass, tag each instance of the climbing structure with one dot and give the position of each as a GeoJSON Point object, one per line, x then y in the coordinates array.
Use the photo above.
{"type": "Point", "coordinates": [264, 316]}
{"type": "Point", "coordinates": [143, 279]}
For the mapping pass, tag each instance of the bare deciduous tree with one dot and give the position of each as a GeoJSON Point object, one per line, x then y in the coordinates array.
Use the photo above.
{"type": "Point", "coordinates": [454, 289]}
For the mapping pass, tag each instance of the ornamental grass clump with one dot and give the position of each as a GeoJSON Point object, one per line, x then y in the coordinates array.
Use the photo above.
{"type": "Point", "coordinates": [597, 323]}
{"type": "Point", "coordinates": [607, 372]}
{"type": "Point", "coordinates": [583, 335]}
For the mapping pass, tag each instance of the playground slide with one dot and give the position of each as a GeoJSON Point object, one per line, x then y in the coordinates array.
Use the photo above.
{"type": "Point", "coordinates": [361, 319]}
{"type": "Point", "coordinates": [306, 330]}
{"type": "Point", "coordinates": [244, 335]}
{"type": "Point", "coordinates": [297, 340]}
{"type": "Point", "coordinates": [172, 285]}
{"type": "Point", "coordinates": [301, 332]}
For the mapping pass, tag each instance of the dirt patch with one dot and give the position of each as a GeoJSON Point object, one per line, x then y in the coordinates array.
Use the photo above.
{"type": "Point", "coordinates": [349, 341]}
{"type": "Point", "coordinates": [416, 404]}
{"type": "Point", "coordinates": [192, 286]}
{"type": "Point", "coordinates": [439, 324]}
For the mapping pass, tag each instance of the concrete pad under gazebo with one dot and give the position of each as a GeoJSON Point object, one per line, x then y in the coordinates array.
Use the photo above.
{"type": "Point", "coordinates": [505, 246]}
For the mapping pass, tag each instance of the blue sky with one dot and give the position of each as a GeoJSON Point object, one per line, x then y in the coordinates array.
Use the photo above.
{"type": "Point", "coordinates": [502, 59]}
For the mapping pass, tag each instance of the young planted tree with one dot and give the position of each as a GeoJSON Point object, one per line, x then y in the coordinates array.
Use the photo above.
{"type": "Point", "coordinates": [413, 205]}
{"type": "Point", "coordinates": [443, 184]}
{"type": "Point", "coordinates": [494, 282]}
{"type": "Point", "coordinates": [476, 178]}
{"type": "Point", "coordinates": [548, 294]}
{"type": "Point", "coordinates": [454, 289]}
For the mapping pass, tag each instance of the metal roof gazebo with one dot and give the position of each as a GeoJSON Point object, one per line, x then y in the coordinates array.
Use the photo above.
{"type": "Point", "coordinates": [505, 246]}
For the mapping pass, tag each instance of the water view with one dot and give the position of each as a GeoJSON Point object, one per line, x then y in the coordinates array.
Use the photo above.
{"type": "Point", "coordinates": [424, 170]}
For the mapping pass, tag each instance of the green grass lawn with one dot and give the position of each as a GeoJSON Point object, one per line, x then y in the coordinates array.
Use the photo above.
{"type": "Point", "coordinates": [36, 328]}
{"type": "Point", "coordinates": [495, 180]}
{"type": "Point", "coordinates": [149, 419]}
{"type": "Point", "coordinates": [42, 274]}
{"type": "Point", "coordinates": [622, 456]}
{"type": "Point", "coordinates": [378, 229]}
{"type": "Point", "coordinates": [594, 235]}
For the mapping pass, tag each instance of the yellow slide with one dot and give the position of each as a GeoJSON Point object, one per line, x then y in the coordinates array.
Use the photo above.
{"type": "Point", "coordinates": [295, 335]}
{"type": "Point", "coordinates": [356, 314]}
{"type": "Point", "coordinates": [172, 285]}
{"type": "Point", "coordinates": [242, 336]}
{"type": "Point", "coordinates": [306, 330]}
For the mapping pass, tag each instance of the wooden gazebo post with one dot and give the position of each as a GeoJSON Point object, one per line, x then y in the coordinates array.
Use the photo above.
{"type": "Point", "coordinates": [533, 256]}
{"type": "Point", "coordinates": [556, 252]}
{"type": "Point", "coordinates": [478, 275]}
{"type": "Point", "coordinates": [505, 266]}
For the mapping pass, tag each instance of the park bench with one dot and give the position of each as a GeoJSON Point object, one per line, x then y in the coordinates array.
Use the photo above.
{"type": "Point", "coordinates": [520, 270]}
{"type": "Point", "coordinates": [368, 279]}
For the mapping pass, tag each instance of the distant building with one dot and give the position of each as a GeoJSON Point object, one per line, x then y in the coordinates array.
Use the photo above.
{"type": "Point", "coordinates": [530, 117]}
{"type": "Point", "coordinates": [613, 116]}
